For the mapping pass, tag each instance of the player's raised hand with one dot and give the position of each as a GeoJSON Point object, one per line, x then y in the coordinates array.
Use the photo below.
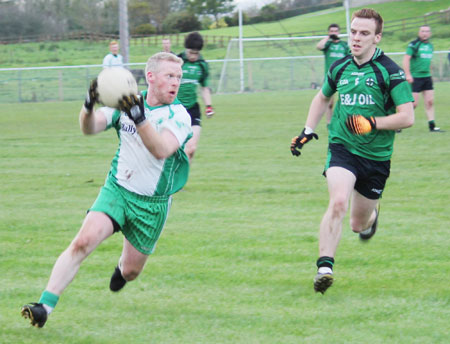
{"type": "Point", "coordinates": [209, 111]}
{"type": "Point", "coordinates": [91, 96]}
{"type": "Point", "coordinates": [133, 106]}
{"type": "Point", "coordinates": [298, 142]}
{"type": "Point", "coordinates": [360, 125]}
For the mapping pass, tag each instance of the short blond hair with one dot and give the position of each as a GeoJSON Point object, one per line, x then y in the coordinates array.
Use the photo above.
{"type": "Point", "coordinates": [113, 43]}
{"type": "Point", "coordinates": [154, 62]}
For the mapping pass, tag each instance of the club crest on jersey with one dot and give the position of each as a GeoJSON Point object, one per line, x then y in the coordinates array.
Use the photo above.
{"type": "Point", "coordinates": [356, 99]}
{"type": "Point", "coordinates": [370, 82]}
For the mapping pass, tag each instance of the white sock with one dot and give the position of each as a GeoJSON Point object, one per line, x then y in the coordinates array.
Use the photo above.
{"type": "Point", "coordinates": [48, 308]}
{"type": "Point", "coordinates": [325, 270]}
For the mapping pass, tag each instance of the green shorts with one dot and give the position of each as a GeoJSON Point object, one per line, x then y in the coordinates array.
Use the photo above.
{"type": "Point", "coordinates": [141, 218]}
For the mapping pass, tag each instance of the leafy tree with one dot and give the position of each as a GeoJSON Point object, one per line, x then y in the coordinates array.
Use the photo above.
{"type": "Point", "coordinates": [181, 22]}
{"type": "Point", "coordinates": [144, 29]}
{"type": "Point", "coordinates": [268, 12]}
{"type": "Point", "coordinates": [211, 7]}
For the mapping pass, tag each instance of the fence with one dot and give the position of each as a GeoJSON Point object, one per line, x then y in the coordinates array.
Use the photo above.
{"type": "Point", "coordinates": [402, 25]}
{"type": "Point", "coordinates": [40, 84]}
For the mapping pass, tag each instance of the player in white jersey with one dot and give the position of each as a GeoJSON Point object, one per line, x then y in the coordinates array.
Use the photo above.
{"type": "Point", "coordinates": [113, 59]}
{"type": "Point", "coordinates": [149, 166]}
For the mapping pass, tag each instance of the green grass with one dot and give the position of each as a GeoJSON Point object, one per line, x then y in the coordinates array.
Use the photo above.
{"type": "Point", "coordinates": [85, 52]}
{"type": "Point", "coordinates": [237, 257]}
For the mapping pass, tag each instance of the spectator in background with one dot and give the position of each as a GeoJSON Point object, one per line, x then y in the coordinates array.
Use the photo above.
{"type": "Point", "coordinates": [113, 59]}
{"type": "Point", "coordinates": [166, 45]}
{"type": "Point", "coordinates": [195, 72]}
{"type": "Point", "coordinates": [417, 66]}
{"type": "Point", "coordinates": [333, 49]}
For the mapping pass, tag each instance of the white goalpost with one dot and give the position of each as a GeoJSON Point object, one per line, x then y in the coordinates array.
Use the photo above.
{"type": "Point", "coordinates": [292, 59]}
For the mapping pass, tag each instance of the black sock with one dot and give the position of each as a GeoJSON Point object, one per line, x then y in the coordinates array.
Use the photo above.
{"type": "Point", "coordinates": [431, 125]}
{"type": "Point", "coordinates": [325, 261]}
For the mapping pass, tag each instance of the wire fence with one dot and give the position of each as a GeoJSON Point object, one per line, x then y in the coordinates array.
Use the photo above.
{"type": "Point", "coordinates": [65, 83]}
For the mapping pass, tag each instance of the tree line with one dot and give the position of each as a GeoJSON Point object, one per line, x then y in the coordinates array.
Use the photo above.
{"type": "Point", "coordinates": [45, 17]}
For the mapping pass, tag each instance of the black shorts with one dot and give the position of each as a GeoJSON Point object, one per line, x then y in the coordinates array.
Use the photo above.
{"type": "Point", "coordinates": [422, 84]}
{"type": "Point", "coordinates": [196, 115]}
{"type": "Point", "coordinates": [371, 175]}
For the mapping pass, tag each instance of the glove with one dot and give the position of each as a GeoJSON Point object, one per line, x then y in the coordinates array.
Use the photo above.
{"type": "Point", "coordinates": [91, 96]}
{"type": "Point", "coordinates": [133, 106]}
{"type": "Point", "coordinates": [298, 142]}
{"type": "Point", "coordinates": [360, 125]}
{"type": "Point", "coordinates": [209, 111]}
{"type": "Point", "coordinates": [334, 37]}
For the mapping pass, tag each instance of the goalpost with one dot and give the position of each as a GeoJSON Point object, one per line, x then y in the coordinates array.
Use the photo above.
{"type": "Point", "coordinates": [229, 58]}
{"type": "Point", "coordinates": [293, 62]}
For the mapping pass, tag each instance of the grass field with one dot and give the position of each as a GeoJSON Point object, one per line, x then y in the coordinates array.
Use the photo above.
{"type": "Point", "coordinates": [236, 260]}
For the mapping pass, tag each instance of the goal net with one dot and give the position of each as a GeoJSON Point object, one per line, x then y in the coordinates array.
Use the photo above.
{"type": "Point", "coordinates": [272, 64]}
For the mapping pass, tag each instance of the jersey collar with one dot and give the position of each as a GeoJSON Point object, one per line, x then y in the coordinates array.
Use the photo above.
{"type": "Point", "coordinates": [378, 53]}
{"type": "Point", "coordinates": [144, 94]}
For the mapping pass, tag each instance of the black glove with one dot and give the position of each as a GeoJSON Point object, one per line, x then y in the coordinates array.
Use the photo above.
{"type": "Point", "coordinates": [334, 37]}
{"type": "Point", "coordinates": [360, 125]}
{"type": "Point", "coordinates": [133, 106]}
{"type": "Point", "coordinates": [298, 142]}
{"type": "Point", "coordinates": [91, 96]}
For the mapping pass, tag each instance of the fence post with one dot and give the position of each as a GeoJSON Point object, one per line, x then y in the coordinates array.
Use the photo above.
{"type": "Point", "coordinates": [60, 86]}
{"type": "Point", "coordinates": [19, 88]}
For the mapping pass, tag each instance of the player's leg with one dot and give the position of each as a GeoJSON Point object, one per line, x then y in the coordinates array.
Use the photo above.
{"type": "Point", "coordinates": [96, 228]}
{"type": "Point", "coordinates": [340, 185]}
{"type": "Point", "coordinates": [132, 261]}
{"type": "Point", "coordinates": [365, 199]}
{"type": "Point", "coordinates": [428, 98]}
{"type": "Point", "coordinates": [363, 213]}
{"type": "Point", "coordinates": [416, 99]}
{"type": "Point", "coordinates": [146, 217]}
{"type": "Point", "coordinates": [131, 264]}
{"type": "Point", "coordinates": [191, 145]}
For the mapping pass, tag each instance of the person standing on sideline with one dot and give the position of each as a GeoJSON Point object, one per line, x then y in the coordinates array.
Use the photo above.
{"type": "Point", "coordinates": [374, 100]}
{"type": "Point", "coordinates": [150, 165]}
{"type": "Point", "coordinates": [417, 66]}
{"type": "Point", "coordinates": [195, 72]}
{"type": "Point", "coordinates": [113, 59]}
{"type": "Point", "coordinates": [166, 45]}
{"type": "Point", "coordinates": [333, 49]}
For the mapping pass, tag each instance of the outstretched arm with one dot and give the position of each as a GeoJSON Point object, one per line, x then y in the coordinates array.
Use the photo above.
{"type": "Point", "coordinates": [316, 110]}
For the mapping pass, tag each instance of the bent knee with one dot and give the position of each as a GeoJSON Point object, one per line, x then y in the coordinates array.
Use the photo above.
{"type": "Point", "coordinates": [339, 207]}
{"type": "Point", "coordinates": [81, 245]}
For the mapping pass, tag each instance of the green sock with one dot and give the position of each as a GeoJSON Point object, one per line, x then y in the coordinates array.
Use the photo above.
{"type": "Point", "coordinates": [431, 124]}
{"type": "Point", "coordinates": [49, 299]}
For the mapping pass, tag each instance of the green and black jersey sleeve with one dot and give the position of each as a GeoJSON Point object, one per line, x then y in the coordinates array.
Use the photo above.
{"type": "Point", "coordinates": [375, 88]}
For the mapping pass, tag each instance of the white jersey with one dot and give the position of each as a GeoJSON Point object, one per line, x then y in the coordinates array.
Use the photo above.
{"type": "Point", "coordinates": [134, 167]}
{"type": "Point", "coordinates": [111, 60]}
